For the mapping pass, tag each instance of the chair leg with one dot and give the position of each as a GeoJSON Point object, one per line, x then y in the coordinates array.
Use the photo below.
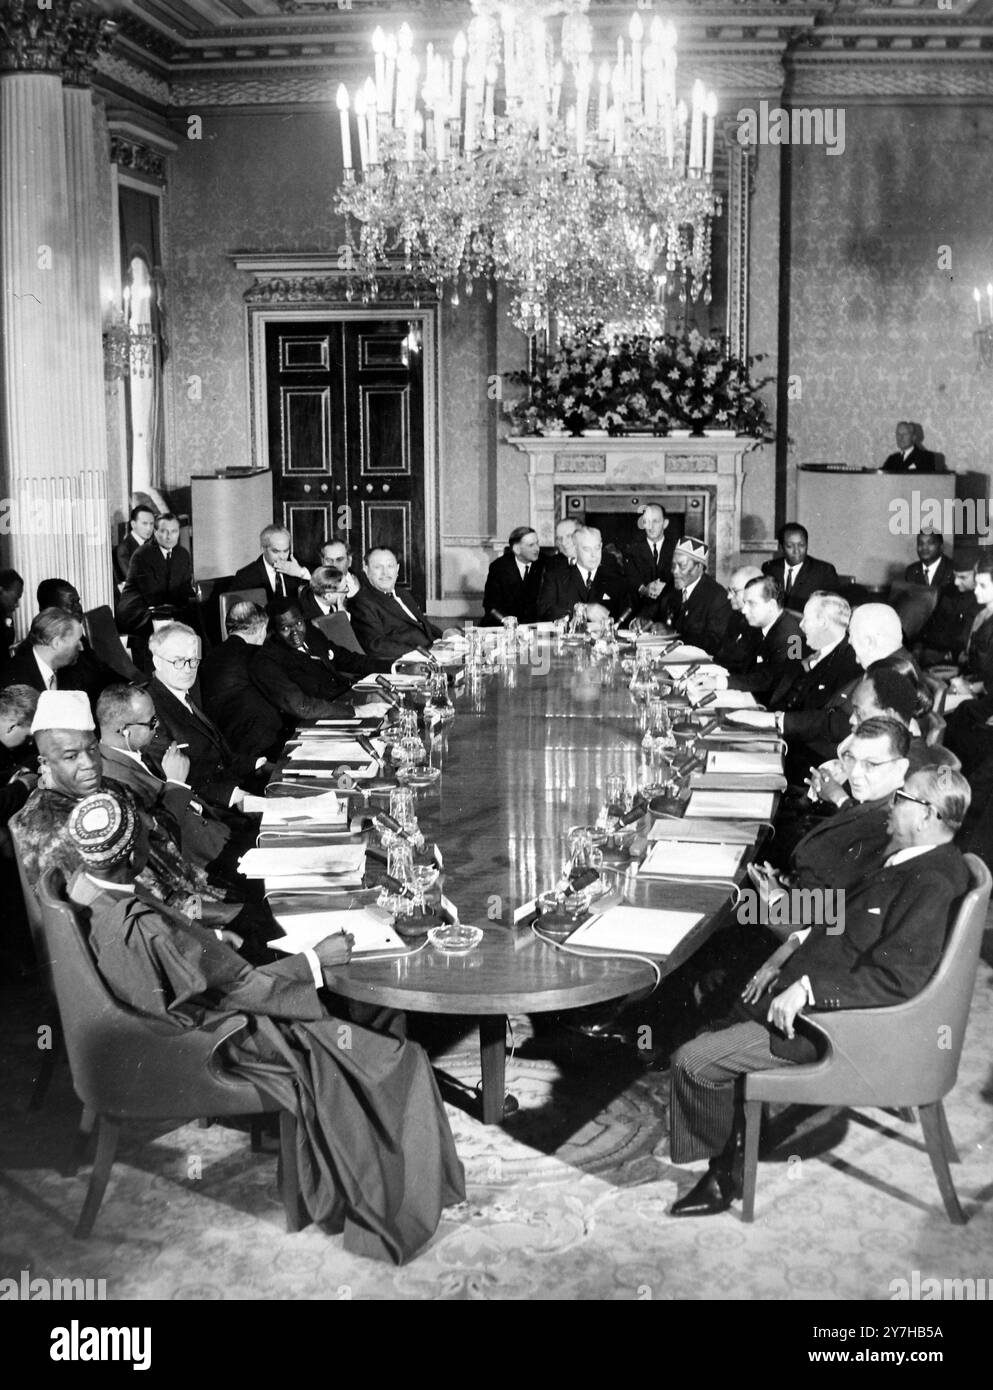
{"type": "Point", "coordinates": [753, 1127]}
{"type": "Point", "coordinates": [108, 1133]}
{"type": "Point", "coordinates": [77, 1154]}
{"type": "Point", "coordinates": [289, 1176]}
{"type": "Point", "coordinates": [255, 1130]}
{"type": "Point", "coordinates": [933, 1138]}
{"type": "Point", "coordinates": [947, 1142]}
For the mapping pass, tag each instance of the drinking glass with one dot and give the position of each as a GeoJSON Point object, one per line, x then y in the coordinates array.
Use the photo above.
{"type": "Point", "coordinates": [402, 807]}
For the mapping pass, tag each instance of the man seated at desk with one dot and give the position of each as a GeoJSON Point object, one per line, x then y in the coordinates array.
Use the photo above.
{"type": "Point", "coordinates": [514, 580]}
{"type": "Point", "coordinates": [388, 621]}
{"type": "Point", "coordinates": [698, 607]}
{"type": "Point", "coordinates": [778, 648]}
{"type": "Point", "coordinates": [376, 1154]}
{"type": "Point", "coordinates": [946, 632]}
{"type": "Point", "coordinates": [589, 580]}
{"type": "Point", "coordinates": [896, 923]}
{"type": "Point", "coordinates": [910, 456]}
{"type": "Point", "coordinates": [796, 571]}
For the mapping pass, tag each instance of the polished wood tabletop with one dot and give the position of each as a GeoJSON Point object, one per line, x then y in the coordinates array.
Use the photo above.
{"type": "Point", "coordinates": [526, 758]}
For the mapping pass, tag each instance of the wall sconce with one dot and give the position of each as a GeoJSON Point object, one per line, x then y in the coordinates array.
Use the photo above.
{"type": "Point", "coordinates": [127, 351]}
{"type": "Point", "coordinates": [984, 333]}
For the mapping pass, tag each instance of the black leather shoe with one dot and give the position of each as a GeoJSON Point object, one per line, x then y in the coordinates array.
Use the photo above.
{"type": "Point", "coordinates": [714, 1193]}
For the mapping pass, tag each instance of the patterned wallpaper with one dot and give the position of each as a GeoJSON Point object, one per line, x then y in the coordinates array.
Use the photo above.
{"type": "Point", "coordinates": [878, 331]}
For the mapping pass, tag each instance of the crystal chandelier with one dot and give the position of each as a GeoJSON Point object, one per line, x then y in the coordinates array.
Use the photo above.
{"type": "Point", "coordinates": [586, 190]}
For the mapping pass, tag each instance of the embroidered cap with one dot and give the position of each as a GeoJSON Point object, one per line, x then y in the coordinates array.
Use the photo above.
{"type": "Point", "coordinates": [102, 828]}
{"type": "Point", "coordinates": [695, 549]}
{"type": "Point", "coordinates": [62, 709]}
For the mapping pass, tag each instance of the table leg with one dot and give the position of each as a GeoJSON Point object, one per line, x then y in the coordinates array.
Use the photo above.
{"type": "Point", "coordinates": [493, 1057]}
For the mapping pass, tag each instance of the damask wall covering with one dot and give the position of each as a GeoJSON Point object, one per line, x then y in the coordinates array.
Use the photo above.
{"type": "Point", "coordinates": [878, 332]}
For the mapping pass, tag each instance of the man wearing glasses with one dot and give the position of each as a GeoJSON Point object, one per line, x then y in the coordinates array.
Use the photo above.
{"type": "Point", "coordinates": [128, 723]}
{"type": "Point", "coordinates": [896, 921]}
{"type": "Point", "coordinates": [216, 772]}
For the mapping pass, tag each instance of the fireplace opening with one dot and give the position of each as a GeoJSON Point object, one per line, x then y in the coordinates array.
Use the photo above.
{"type": "Point", "coordinates": [615, 514]}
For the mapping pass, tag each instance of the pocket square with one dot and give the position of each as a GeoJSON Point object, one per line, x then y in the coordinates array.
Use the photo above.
{"type": "Point", "coordinates": [874, 910]}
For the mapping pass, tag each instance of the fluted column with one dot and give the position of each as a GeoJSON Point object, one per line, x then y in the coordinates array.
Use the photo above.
{"type": "Point", "coordinates": [54, 464]}
{"type": "Point", "coordinates": [86, 403]}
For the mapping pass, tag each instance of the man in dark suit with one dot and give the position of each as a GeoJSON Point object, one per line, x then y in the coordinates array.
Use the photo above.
{"type": "Point", "coordinates": [326, 593]}
{"type": "Point", "coordinates": [303, 675]}
{"type": "Point", "coordinates": [11, 593]}
{"type": "Point", "coordinates": [698, 607]}
{"type": "Point", "coordinates": [589, 580]}
{"type": "Point", "coordinates": [798, 574]}
{"type": "Point", "coordinates": [943, 637]}
{"type": "Point", "coordinates": [218, 773]}
{"type": "Point", "coordinates": [336, 555]}
{"type": "Point", "coordinates": [275, 570]}
{"type": "Point", "coordinates": [514, 579]}
{"type": "Point", "coordinates": [89, 672]}
{"type": "Point", "coordinates": [47, 658]}
{"type": "Point", "coordinates": [230, 696]}
{"type": "Point", "coordinates": [896, 922]}
{"type": "Point", "coordinates": [932, 568]}
{"type": "Point", "coordinates": [206, 837]}
{"type": "Point", "coordinates": [565, 545]}
{"type": "Point", "coordinates": [159, 585]}
{"type": "Point", "coordinates": [737, 650]}
{"type": "Point", "coordinates": [909, 457]}
{"type": "Point", "coordinates": [142, 524]}
{"type": "Point", "coordinates": [388, 621]}
{"type": "Point", "coordinates": [648, 563]}
{"type": "Point", "coordinates": [779, 647]}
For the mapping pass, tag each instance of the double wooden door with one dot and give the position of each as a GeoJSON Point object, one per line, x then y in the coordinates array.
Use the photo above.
{"type": "Point", "coordinates": [345, 403]}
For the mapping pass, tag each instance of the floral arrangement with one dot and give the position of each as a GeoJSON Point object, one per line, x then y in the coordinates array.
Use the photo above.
{"type": "Point", "coordinates": [639, 383]}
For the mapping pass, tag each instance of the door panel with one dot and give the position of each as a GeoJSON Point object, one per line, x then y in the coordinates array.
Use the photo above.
{"type": "Point", "coordinates": [345, 405]}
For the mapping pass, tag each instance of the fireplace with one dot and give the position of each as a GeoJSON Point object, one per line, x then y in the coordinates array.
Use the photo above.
{"type": "Point", "coordinates": [605, 481]}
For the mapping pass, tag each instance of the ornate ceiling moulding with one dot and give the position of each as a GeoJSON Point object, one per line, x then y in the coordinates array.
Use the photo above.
{"type": "Point", "coordinates": [64, 39]}
{"type": "Point", "coordinates": [305, 277]}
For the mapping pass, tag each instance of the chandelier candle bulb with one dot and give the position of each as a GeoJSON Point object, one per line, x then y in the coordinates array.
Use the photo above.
{"type": "Point", "coordinates": [360, 125]}
{"type": "Point", "coordinates": [459, 50]}
{"type": "Point", "coordinates": [710, 109]}
{"type": "Point", "coordinates": [489, 123]}
{"type": "Point", "coordinates": [346, 135]}
{"type": "Point", "coordinates": [372, 119]}
{"type": "Point", "coordinates": [979, 306]}
{"type": "Point", "coordinates": [379, 58]}
{"type": "Point", "coordinates": [636, 29]}
{"type": "Point", "coordinates": [604, 76]}
{"type": "Point", "coordinates": [696, 129]}
{"type": "Point", "coordinates": [389, 71]}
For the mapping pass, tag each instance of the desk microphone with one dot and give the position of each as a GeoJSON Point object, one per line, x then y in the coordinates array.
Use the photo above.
{"type": "Point", "coordinates": [708, 728]}
{"type": "Point", "coordinates": [625, 615]}
{"type": "Point", "coordinates": [390, 690]}
{"type": "Point", "coordinates": [691, 671]}
{"type": "Point", "coordinates": [708, 699]}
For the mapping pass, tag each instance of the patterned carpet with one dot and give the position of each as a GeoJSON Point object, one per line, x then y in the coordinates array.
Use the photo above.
{"type": "Point", "coordinates": [568, 1200]}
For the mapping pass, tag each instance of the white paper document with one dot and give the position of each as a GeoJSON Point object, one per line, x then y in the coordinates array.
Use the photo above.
{"type": "Point", "coordinates": [731, 805]}
{"type": "Point", "coordinates": [683, 859]}
{"type": "Point", "coordinates": [745, 762]}
{"type": "Point", "coordinates": [326, 750]}
{"type": "Point", "coordinates": [644, 930]}
{"type": "Point", "coordinates": [708, 832]}
{"type": "Point", "coordinates": [335, 860]}
{"type": "Point", "coordinates": [295, 812]}
{"type": "Point", "coordinates": [371, 927]}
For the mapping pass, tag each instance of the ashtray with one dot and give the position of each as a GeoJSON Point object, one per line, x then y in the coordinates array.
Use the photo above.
{"type": "Point", "coordinates": [455, 938]}
{"type": "Point", "coordinates": [417, 775]}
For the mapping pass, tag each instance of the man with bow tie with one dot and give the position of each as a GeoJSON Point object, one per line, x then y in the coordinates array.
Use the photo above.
{"type": "Point", "coordinates": [572, 587]}
{"type": "Point", "coordinates": [388, 621]}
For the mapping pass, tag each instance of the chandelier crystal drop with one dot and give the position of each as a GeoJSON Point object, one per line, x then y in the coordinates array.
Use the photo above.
{"type": "Point", "coordinates": [585, 188]}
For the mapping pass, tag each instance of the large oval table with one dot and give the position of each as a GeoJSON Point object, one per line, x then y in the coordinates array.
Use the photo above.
{"type": "Point", "coordinates": [525, 759]}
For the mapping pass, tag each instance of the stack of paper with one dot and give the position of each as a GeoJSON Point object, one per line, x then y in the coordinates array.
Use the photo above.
{"type": "Point", "coordinates": [318, 747]}
{"type": "Point", "coordinates": [304, 813]}
{"type": "Point", "coordinates": [702, 831]}
{"type": "Point", "coordinates": [769, 763]}
{"type": "Point", "coordinates": [682, 859]}
{"type": "Point", "coordinates": [335, 861]}
{"type": "Point", "coordinates": [370, 926]}
{"type": "Point", "coordinates": [735, 805]}
{"type": "Point", "coordinates": [405, 680]}
{"type": "Point", "coordinates": [734, 699]}
{"type": "Point", "coordinates": [740, 781]}
{"type": "Point", "coordinates": [643, 930]}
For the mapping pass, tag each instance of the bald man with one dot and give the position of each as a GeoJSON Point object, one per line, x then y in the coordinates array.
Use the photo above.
{"type": "Point", "coordinates": [648, 563]}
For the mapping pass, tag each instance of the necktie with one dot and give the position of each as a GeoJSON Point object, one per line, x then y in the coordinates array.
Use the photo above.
{"type": "Point", "coordinates": [168, 573]}
{"type": "Point", "coordinates": [789, 580]}
{"type": "Point", "coordinates": [280, 586]}
{"type": "Point", "coordinates": [655, 556]}
{"type": "Point", "coordinates": [527, 570]}
{"type": "Point", "coordinates": [53, 681]}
